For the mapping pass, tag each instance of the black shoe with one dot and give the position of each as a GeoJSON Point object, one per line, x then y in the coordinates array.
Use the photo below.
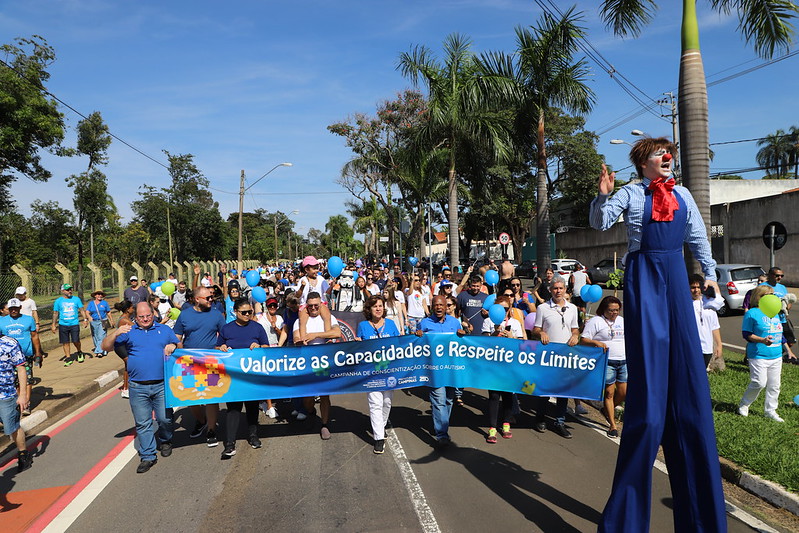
{"type": "Point", "coordinates": [561, 430]}
{"type": "Point", "coordinates": [254, 441]}
{"type": "Point", "coordinates": [24, 461]}
{"type": "Point", "coordinates": [144, 466]}
{"type": "Point", "coordinates": [211, 439]}
{"type": "Point", "coordinates": [379, 446]}
{"type": "Point", "coordinates": [229, 451]}
{"type": "Point", "coordinates": [166, 449]}
{"type": "Point", "coordinates": [198, 430]}
{"type": "Point", "coordinates": [443, 442]}
{"type": "Point", "coordinates": [540, 427]}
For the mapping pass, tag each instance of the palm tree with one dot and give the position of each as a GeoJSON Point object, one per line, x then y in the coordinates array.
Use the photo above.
{"type": "Point", "coordinates": [777, 153]}
{"type": "Point", "coordinates": [460, 110]}
{"type": "Point", "coordinates": [545, 75]}
{"type": "Point", "coordinates": [369, 219]}
{"type": "Point", "coordinates": [767, 23]}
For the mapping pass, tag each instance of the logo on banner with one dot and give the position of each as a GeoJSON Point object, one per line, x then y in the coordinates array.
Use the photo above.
{"type": "Point", "coordinates": [202, 376]}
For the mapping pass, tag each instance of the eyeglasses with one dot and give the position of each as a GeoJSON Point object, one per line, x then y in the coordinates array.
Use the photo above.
{"type": "Point", "coordinates": [450, 305]}
{"type": "Point", "coordinates": [313, 306]}
{"type": "Point", "coordinates": [779, 275]}
{"type": "Point", "coordinates": [245, 313]}
{"type": "Point", "coordinates": [272, 305]}
{"type": "Point", "coordinates": [515, 284]}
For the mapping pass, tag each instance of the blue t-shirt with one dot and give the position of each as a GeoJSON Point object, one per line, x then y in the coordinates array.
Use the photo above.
{"type": "Point", "coordinates": [779, 289]}
{"type": "Point", "coordinates": [235, 336]}
{"type": "Point", "coordinates": [289, 317]}
{"type": "Point", "coordinates": [68, 314]}
{"type": "Point", "coordinates": [20, 330]}
{"type": "Point", "coordinates": [230, 314]}
{"type": "Point", "coordinates": [145, 349]}
{"type": "Point", "coordinates": [199, 329]}
{"type": "Point", "coordinates": [756, 321]}
{"type": "Point", "coordinates": [432, 325]}
{"type": "Point", "coordinates": [10, 358]}
{"type": "Point", "coordinates": [367, 330]}
{"type": "Point", "coordinates": [98, 310]}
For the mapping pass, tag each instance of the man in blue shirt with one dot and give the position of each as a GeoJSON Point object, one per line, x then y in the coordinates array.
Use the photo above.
{"type": "Point", "coordinates": [147, 343]}
{"type": "Point", "coordinates": [11, 365]}
{"type": "Point", "coordinates": [441, 398]}
{"type": "Point", "coordinates": [67, 310]}
{"type": "Point", "coordinates": [22, 328]}
{"type": "Point", "coordinates": [198, 327]}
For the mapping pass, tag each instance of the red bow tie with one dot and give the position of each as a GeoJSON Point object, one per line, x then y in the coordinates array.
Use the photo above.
{"type": "Point", "coordinates": [664, 203]}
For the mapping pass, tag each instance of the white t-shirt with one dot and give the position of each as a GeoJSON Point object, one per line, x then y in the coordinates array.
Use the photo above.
{"type": "Point", "coordinates": [426, 293]}
{"type": "Point", "coordinates": [373, 289]}
{"type": "Point", "coordinates": [415, 308]}
{"type": "Point", "coordinates": [399, 296]}
{"type": "Point", "coordinates": [316, 324]}
{"type": "Point", "coordinates": [272, 333]}
{"type": "Point", "coordinates": [516, 330]}
{"type": "Point", "coordinates": [556, 322]}
{"type": "Point", "coordinates": [580, 279]}
{"type": "Point", "coordinates": [320, 287]}
{"type": "Point", "coordinates": [611, 333]}
{"type": "Point", "coordinates": [707, 321]}
{"type": "Point", "coordinates": [28, 306]}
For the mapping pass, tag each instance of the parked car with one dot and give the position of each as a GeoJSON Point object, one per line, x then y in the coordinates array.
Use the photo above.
{"type": "Point", "coordinates": [735, 281]}
{"type": "Point", "coordinates": [599, 272]}
{"type": "Point", "coordinates": [564, 267]}
{"type": "Point", "coordinates": [527, 269]}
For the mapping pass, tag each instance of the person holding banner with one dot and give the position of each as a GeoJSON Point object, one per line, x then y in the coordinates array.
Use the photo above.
{"type": "Point", "coordinates": [441, 398]}
{"type": "Point", "coordinates": [376, 326]}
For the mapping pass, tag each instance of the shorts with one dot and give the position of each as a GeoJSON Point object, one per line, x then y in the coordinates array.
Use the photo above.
{"type": "Point", "coordinates": [616, 371]}
{"type": "Point", "coordinates": [67, 334]}
{"type": "Point", "coordinates": [9, 415]}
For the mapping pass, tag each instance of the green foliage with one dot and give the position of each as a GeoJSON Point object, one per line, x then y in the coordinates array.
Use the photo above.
{"type": "Point", "coordinates": [779, 154]}
{"type": "Point", "coordinates": [54, 226]}
{"type": "Point", "coordinates": [615, 279]}
{"type": "Point", "coordinates": [94, 139]}
{"type": "Point", "coordinates": [338, 237]}
{"type": "Point", "coordinates": [729, 177]}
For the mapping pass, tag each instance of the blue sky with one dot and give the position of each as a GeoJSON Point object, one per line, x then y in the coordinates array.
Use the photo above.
{"type": "Point", "coordinates": [250, 84]}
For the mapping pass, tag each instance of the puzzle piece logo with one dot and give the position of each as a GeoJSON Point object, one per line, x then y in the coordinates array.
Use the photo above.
{"type": "Point", "coordinates": [321, 371]}
{"type": "Point", "coordinates": [382, 365]}
{"type": "Point", "coordinates": [528, 387]}
{"type": "Point", "coordinates": [201, 377]}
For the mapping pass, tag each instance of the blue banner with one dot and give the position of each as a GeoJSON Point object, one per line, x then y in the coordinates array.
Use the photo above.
{"type": "Point", "coordinates": [527, 367]}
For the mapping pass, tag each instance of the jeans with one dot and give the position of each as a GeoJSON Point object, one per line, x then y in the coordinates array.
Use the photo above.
{"type": "Point", "coordinates": [441, 399]}
{"type": "Point", "coordinates": [98, 334]}
{"type": "Point", "coordinates": [144, 401]}
{"type": "Point", "coordinates": [560, 409]}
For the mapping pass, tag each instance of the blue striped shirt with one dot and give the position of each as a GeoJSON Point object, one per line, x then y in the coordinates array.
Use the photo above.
{"type": "Point", "coordinates": [631, 200]}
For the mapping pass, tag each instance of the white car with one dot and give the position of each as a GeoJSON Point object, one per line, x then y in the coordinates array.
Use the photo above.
{"type": "Point", "coordinates": [565, 267]}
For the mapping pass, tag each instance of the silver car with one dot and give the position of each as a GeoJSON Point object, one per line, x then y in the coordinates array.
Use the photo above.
{"type": "Point", "coordinates": [735, 281]}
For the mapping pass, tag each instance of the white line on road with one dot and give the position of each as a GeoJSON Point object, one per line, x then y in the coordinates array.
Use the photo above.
{"type": "Point", "coordinates": [426, 518]}
{"type": "Point", "coordinates": [742, 348]}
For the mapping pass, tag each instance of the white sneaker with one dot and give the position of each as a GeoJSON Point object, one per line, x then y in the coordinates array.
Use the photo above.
{"type": "Point", "coordinates": [580, 410]}
{"type": "Point", "coordinates": [774, 416]}
{"type": "Point", "coordinates": [301, 416]}
{"type": "Point", "coordinates": [295, 412]}
{"type": "Point", "coordinates": [125, 393]}
{"type": "Point", "coordinates": [743, 410]}
{"type": "Point", "coordinates": [271, 413]}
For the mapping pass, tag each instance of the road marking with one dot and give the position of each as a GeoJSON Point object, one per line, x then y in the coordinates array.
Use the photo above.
{"type": "Point", "coordinates": [69, 507]}
{"type": "Point", "coordinates": [742, 348]}
{"type": "Point", "coordinates": [426, 518]}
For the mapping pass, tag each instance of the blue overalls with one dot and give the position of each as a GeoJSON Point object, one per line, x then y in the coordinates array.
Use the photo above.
{"type": "Point", "coordinates": [668, 397]}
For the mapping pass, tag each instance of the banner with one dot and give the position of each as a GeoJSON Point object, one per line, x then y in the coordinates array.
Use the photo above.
{"type": "Point", "coordinates": [526, 367]}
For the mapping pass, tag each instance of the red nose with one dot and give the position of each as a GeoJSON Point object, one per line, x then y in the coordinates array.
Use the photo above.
{"type": "Point", "coordinates": [667, 157]}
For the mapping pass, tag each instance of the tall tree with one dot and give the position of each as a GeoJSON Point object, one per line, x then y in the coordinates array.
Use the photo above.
{"type": "Point", "coordinates": [462, 108]}
{"type": "Point", "coordinates": [369, 219]}
{"type": "Point", "coordinates": [779, 153]}
{"type": "Point", "coordinates": [766, 23]}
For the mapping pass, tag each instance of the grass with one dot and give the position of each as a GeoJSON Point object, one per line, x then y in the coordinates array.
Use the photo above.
{"type": "Point", "coordinates": [761, 446]}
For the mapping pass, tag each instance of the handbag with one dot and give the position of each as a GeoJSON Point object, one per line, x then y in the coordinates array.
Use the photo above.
{"type": "Point", "coordinates": [106, 322]}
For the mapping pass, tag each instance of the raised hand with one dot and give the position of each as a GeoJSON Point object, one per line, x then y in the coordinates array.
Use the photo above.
{"type": "Point", "coordinates": [606, 181]}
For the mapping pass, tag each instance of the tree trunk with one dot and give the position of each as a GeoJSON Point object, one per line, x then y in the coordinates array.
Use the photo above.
{"type": "Point", "coordinates": [543, 260]}
{"type": "Point", "coordinates": [693, 115]}
{"type": "Point", "coordinates": [452, 218]}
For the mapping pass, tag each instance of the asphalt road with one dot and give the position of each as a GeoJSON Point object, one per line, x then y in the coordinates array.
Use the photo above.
{"type": "Point", "coordinates": [85, 474]}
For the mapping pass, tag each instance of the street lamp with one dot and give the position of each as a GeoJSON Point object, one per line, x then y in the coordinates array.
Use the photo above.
{"type": "Point", "coordinates": [638, 133]}
{"type": "Point", "coordinates": [242, 190]}
{"type": "Point", "coordinates": [295, 212]}
{"type": "Point", "coordinates": [619, 141]}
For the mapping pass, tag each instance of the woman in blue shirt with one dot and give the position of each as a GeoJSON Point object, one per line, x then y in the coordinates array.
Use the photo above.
{"type": "Point", "coordinates": [377, 327]}
{"type": "Point", "coordinates": [99, 310]}
{"type": "Point", "coordinates": [764, 352]}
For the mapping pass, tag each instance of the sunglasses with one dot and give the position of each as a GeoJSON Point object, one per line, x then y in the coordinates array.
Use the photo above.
{"type": "Point", "coordinates": [313, 306]}
{"type": "Point", "coordinates": [779, 275]}
{"type": "Point", "coordinates": [272, 305]}
{"type": "Point", "coordinates": [245, 313]}
{"type": "Point", "coordinates": [515, 284]}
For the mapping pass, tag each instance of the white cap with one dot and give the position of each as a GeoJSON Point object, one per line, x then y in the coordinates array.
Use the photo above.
{"type": "Point", "coordinates": [14, 302]}
{"type": "Point", "coordinates": [133, 278]}
{"type": "Point", "coordinates": [21, 290]}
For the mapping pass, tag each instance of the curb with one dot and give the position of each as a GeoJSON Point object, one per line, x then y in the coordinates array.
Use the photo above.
{"type": "Point", "coordinates": [38, 417]}
{"type": "Point", "coordinates": [767, 490]}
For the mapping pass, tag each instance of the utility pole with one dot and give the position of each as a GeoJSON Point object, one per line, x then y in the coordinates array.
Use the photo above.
{"type": "Point", "coordinates": [169, 233]}
{"type": "Point", "coordinates": [241, 222]}
{"type": "Point", "coordinates": [675, 131]}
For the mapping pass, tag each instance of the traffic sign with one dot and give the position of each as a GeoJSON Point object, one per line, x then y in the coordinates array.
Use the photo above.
{"type": "Point", "coordinates": [779, 232]}
{"type": "Point", "coordinates": [504, 238]}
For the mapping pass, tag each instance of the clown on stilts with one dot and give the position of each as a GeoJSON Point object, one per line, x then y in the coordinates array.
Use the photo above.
{"type": "Point", "coordinates": [668, 397]}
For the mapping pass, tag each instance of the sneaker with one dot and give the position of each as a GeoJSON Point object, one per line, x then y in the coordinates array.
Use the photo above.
{"type": "Point", "coordinates": [540, 427]}
{"type": "Point", "coordinates": [492, 436]}
{"type": "Point", "coordinates": [68, 362]}
{"type": "Point", "coordinates": [199, 427]}
{"type": "Point", "coordinates": [254, 441]}
{"type": "Point", "coordinates": [166, 449]}
{"type": "Point", "coordinates": [301, 416]}
{"type": "Point", "coordinates": [324, 433]}
{"type": "Point", "coordinates": [229, 451]}
{"type": "Point", "coordinates": [743, 410]}
{"type": "Point", "coordinates": [81, 357]}
{"type": "Point", "coordinates": [26, 412]}
{"type": "Point", "coordinates": [561, 430]}
{"type": "Point", "coordinates": [271, 412]}
{"type": "Point", "coordinates": [506, 433]}
{"type": "Point", "coordinates": [295, 413]}
{"type": "Point", "coordinates": [443, 442]}
{"type": "Point", "coordinates": [24, 461]}
{"type": "Point", "coordinates": [774, 416]}
{"type": "Point", "coordinates": [125, 393]}
{"type": "Point", "coordinates": [613, 433]}
{"type": "Point", "coordinates": [144, 466]}
{"type": "Point", "coordinates": [211, 439]}
{"type": "Point", "coordinates": [580, 410]}
{"type": "Point", "coordinates": [38, 360]}
{"type": "Point", "coordinates": [380, 446]}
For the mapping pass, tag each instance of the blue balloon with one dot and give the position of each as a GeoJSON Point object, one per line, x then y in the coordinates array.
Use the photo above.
{"type": "Point", "coordinates": [413, 260]}
{"type": "Point", "coordinates": [595, 292]}
{"type": "Point", "coordinates": [153, 286]}
{"type": "Point", "coordinates": [354, 276]}
{"type": "Point", "coordinates": [488, 302]}
{"type": "Point", "coordinates": [796, 399]}
{"type": "Point", "coordinates": [334, 266]}
{"type": "Point", "coordinates": [253, 277]}
{"type": "Point", "coordinates": [258, 294]}
{"type": "Point", "coordinates": [585, 293]}
{"type": "Point", "coordinates": [234, 272]}
{"type": "Point", "coordinates": [496, 313]}
{"type": "Point", "coordinates": [492, 277]}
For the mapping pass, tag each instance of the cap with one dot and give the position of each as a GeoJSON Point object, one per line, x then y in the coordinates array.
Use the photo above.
{"type": "Point", "coordinates": [14, 302]}
{"type": "Point", "coordinates": [98, 292]}
{"type": "Point", "coordinates": [271, 301]}
{"type": "Point", "coordinates": [21, 290]}
{"type": "Point", "coordinates": [234, 272]}
{"type": "Point", "coordinates": [66, 287]}
{"type": "Point", "coordinates": [233, 284]}
{"type": "Point", "coordinates": [133, 278]}
{"type": "Point", "coordinates": [445, 284]}
{"type": "Point", "coordinates": [309, 261]}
